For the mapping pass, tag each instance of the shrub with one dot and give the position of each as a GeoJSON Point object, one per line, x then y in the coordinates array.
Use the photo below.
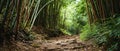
{"type": "Point", "coordinates": [107, 34]}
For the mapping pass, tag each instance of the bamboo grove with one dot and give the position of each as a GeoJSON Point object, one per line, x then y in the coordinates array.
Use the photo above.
{"type": "Point", "coordinates": [49, 15]}
{"type": "Point", "coordinates": [20, 15]}
{"type": "Point", "coordinates": [100, 10]}
{"type": "Point", "coordinates": [104, 23]}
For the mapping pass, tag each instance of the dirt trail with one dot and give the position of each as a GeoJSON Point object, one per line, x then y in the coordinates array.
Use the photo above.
{"type": "Point", "coordinates": [65, 43]}
{"type": "Point", "coordinates": [62, 43]}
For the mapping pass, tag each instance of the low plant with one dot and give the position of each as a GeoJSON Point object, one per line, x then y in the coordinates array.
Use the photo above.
{"type": "Point", "coordinates": [107, 34]}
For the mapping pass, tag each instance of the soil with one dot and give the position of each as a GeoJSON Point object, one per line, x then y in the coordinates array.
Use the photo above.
{"type": "Point", "coordinates": [61, 43]}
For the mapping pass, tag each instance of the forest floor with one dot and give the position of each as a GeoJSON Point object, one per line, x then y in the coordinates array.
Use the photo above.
{"type": "Point", "coordinates": [61, 43]}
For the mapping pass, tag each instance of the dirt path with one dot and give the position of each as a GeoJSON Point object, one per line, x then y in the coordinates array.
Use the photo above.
{"type": "Point", "coordinates": [65, 43]}
{"type": "Point", "coordinates": [62, 43]}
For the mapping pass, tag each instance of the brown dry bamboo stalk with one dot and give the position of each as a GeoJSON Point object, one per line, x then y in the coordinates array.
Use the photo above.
{"type": "Point", "coordinates": [18, 15]}
{"type": "Point", "coordinates": [112, 6]}
{"type": "Point", "coordinates": [94, 11]}
{"type": "Point", "coordinates": [89, 13]}
{"type": "Point", "coordinates": [102, 12]}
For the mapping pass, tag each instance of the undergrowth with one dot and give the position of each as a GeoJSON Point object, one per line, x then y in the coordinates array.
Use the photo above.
{"type": "Point", "coordinates": [107, 34]}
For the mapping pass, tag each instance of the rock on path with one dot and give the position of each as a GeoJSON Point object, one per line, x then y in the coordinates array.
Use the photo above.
{"type": "Point", "coordinates": [62, 43]}
{"type": "Point", "coordinates": [65, 43]}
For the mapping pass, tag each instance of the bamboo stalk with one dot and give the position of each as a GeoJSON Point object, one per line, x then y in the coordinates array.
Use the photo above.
{"type": "Point", "coordinates": [38, 13]}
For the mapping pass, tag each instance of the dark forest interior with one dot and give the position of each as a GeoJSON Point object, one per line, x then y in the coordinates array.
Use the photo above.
{"type": "Point", "coordinates": [59, 25]}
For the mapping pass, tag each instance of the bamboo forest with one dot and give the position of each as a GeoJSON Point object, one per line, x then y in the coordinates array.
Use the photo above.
{"type": "Point", "coordinates": [59, 25]}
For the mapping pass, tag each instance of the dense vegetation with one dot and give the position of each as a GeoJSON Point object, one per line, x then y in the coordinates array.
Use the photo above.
{"type": "Point", "coordinates": [104, 24]}
{"type": "Point", "coordinates": [72, 20]}
{"type": "Point", "coordinates": [94, 20]}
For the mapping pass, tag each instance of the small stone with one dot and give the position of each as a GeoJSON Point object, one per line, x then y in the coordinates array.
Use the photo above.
{"type": "Point", "coordinates": [79, 44]}
{"type": "Point", "coordinates": [63, 44]}
{"type": "Point", "coordinates": [58, 43]}
{"type": "Point", "coordinates": [51, 49]}
{"type": "Point", "coordinates": [35, 45]}
{"type": "Point", "coordinates": [73, 41]}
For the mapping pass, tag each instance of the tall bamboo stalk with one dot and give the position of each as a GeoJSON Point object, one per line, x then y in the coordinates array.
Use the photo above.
{"type": "Point", "coordinates": [101, 9]}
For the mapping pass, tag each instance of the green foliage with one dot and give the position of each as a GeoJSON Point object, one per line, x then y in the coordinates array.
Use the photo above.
{"type": "Point", "coordinates": [113, 47]}
{"type": "Point", "coordinates": [65, 32]}
{"type": "Point", "coordinates": [73, 16]}
{"type": "Point", "coordinates": [107, 34]}
{"type": "Point", "coordinates": [88, 32]}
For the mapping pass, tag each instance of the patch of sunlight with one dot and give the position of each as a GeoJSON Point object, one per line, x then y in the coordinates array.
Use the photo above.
{"type": "Point", "coordinates": [77, 1]}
